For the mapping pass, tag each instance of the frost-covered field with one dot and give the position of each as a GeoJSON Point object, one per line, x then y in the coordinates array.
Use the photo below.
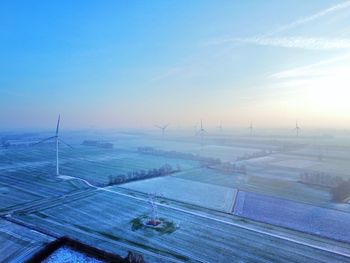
{"type": "Point", "coordinates": [334, 167]}
{"type": "Point", "coordinates": [300, 216]}
{"type": "Point", "coordinates": [66, 254]}
{"type": "Point", "coordinates": [266, 181]}
{"type": "Point", "coordinates": [225, 153]}
{"type": "Point", "coordinates": [103, 219]}
{"type": "Point", "coordinates": [30, 191]}
{"type": "Point", "coordinates": [203, 194]}
{"type": "Point", "coordinates": [296, 163]}
{"type": "Point", "coordinates": [276, 174]}
{"type": "Point", "coordinates": [25, 187]}
{"type": "Point", "coordinates": [18, 243]}
{"type": "Point", "coordinates": [89, 163]}
{"type": "Point", "coordinates": [326, 151]}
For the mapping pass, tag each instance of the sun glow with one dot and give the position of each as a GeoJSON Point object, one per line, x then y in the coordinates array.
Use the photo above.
{"type": "Point", "coordinates": [329, 94]}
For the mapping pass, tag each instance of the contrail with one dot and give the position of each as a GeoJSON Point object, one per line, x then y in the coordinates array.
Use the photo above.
{"type": "Point", "coordinates": [318, 43]}
{"type": "Point", "coordinates": [310, 18]}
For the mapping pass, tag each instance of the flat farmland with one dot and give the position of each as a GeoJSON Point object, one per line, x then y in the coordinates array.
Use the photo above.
{"type": "Point", "coordinates": [265, 183]}
{"type": "Point", "coordinates": [296, 163]}
{"type": "Point", "coordinates": [327, 151]}
{"type": "Point", "coordinates": [19, 243]}
{"type": "Point", "coordinates": [307, 218]}
{"type": "Point", "coordinates": [334, 167]}
{"type": "Point", "coordinates": [225, 153]}
{"type": "Point", "coordinates": [107, 215]}
{"type": "Point", "coordinates": [99, 168]}
{"type": "Point", "coordinates": [21, 187]}
{"type": "Point", "coordinates": [206, 195]}
{"type": "Point", "coordinates": [89, 163]}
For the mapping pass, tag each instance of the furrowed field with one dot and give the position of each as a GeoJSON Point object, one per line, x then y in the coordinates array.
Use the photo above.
{"type": "Point", "coordinates": [108, 215]}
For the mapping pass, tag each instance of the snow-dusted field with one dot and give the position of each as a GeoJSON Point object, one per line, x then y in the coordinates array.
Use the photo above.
{"type": "Point", "coordinates": [300, 216]}
{"type": "Point", "coordinates": [225, 153]}
{"type": "Point", "coordinates": [66, 254]}
{"type": "Point", "coordinates": [22, 187]}
{"type": "Point", "coordinates": [18, 243]}
{"type": "Point", "coordinates": [119, 163]}
{"type": "Point", "coordinates": [89, 163]}
{"type": "Point", "coordinates": [106, 217]}
{"type": "Point", "coordinates": [206, 195]}
{"type": "Point", "coordinates": [275, 182]}
{"type": "Point", "coordinates": [29, 188]}
{"type": "Point", "coordinates": [325, 151]}
{"type": "Point", "coordinates": [296, 163]}
{"type": "Point", "coordinates": [259, 160]}
{"type": "Point", "coordinates": [334, 167]}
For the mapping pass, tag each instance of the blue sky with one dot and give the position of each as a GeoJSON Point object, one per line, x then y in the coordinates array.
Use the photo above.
{"type": "Point", "coordinates": [136, 63]}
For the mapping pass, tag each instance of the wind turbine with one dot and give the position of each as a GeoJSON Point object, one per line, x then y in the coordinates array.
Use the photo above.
{"type": "Point", "coordinates": [220, 127]}
{"type": "Point", "coordinates": [201, 132]}
{"type": "Point", "coordinates": [251, 128]}
{"type": "Point", "coordinates": [57, 139]}
{"type": "Point", "coordinates": [297, 128]}
{"type": "Point", "coordinates": [163, 128]}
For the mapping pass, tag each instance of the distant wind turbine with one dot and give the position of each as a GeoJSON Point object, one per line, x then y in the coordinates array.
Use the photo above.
{"type": "Point", "coordinates": [162, 128]}
{"type": "Point", "coordinates": [220, 127]}
{"type": "Point", "coordinates": [251, 128]}
{"type": "Point", "coordinates": [57, 139]}
{"type": "Point", "coordinates": [195, 129]}
{"type": "Point", "coordinates": [297, 128]}
{"type": "Point", "coordinates": [201, 132]}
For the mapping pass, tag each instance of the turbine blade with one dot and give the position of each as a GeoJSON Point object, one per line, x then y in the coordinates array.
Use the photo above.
{"type": "Point", "coordinates": [44, 140]}
{"type": "Point", "coordinates": [70, 146]}
{"type": "Point", "coordinates": [58, 124]}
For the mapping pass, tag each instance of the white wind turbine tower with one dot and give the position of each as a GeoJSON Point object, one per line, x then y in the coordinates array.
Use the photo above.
{"type": "Point", "coordinates": [201, 132]}
{"type": "Point", "coordinates": [163, 128]}
{"type": "Point", "coordinates": [251, 128]}
{"type": "Point", "coordinates": [220, 127]}
{"type": "Point", "coordinates": [57, 140]}
{"type": "Point", "coordinates": [297, 128]}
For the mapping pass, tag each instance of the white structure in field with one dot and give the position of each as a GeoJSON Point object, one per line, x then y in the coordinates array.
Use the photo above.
{"type": "Point", "coordinates": [297, 128]}
{"type": "Point", "coordinates": [57, 141]}
{"type": "Point", "coordinates": [154, 209]}
{"type": "Point", "coordinates": [220, 127]}
{"type": "Point", "coordinates": [201, 132]}
{"type": "Point", "coordinates": [251, 128]}
{"type": "Point", "coordinates": [162, 128]}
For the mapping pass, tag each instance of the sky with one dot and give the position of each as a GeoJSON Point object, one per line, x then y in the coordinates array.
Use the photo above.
{"type": "Point", "coordinates": [117, 64]}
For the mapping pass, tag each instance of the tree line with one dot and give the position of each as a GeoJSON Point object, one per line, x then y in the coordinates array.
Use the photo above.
{"type": "Point", "coordinates": [339, 187]}
{"type": "Point", "coordinates": [164, 170]}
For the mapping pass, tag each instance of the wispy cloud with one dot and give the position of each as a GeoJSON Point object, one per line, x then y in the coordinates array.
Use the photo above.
{"type": "Point", "coordinates": [271, 38]}
{"type": "Point", "coordinates": [314, 43]}
{"type": "Point", "coordinates": [291, 42]}
{"type": "Point", "coordinates": [324, 67]}
{"type": "Point", "coordinates": [312, 17]}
